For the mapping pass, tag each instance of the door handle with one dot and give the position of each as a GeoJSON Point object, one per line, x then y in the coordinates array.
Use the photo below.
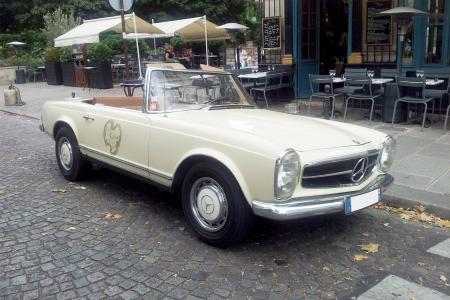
{"type": "Point", "coordinates": [87, 118]}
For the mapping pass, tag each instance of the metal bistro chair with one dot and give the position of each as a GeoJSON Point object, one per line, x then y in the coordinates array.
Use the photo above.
{"type": "Point", "coordinates": [326, 93]}
{"type": "Point", "coordinates": [367, 93]}
{"type": "Point", "coordinates": [411, 84]}
{"type": "Point", "coordinates": [439, 91]}
{"type": "Point", "coordinates": [273, 82]}
{"type": "Point", "coordinates": [349, 89]}
{"type": "Point", "coordinates": [446, 117]}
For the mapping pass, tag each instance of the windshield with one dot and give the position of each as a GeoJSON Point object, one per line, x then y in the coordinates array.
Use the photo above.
{"type": "Point", "coordinates": [184, 90]}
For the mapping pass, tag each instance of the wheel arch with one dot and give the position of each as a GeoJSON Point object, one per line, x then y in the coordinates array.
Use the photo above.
{"type": "Point", "coordinates": [214, 157]}
{"type": "Point", "coordinates": [64, 122]}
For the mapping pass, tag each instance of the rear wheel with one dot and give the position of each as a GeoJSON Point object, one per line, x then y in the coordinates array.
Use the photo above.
{"type": "Point", "coordinates": [70, 162]}
{"type": "Point", "coordinates": [214, 205]}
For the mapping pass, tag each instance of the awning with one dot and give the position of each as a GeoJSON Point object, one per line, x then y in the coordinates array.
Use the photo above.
{"type": "Point", "coordinates": [193, 29]}
{"type": "Point", "coordinates": [89, 31]}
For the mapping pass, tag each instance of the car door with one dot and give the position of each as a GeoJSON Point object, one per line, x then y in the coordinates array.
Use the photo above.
{"type": "Point", "coordinates": [117, 136]}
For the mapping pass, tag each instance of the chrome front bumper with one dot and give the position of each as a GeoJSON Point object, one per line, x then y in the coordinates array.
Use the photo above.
{"type": "Point", "coordinates": [298, 208]}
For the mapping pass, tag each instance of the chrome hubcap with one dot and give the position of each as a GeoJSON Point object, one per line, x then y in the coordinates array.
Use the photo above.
{"type": "Point", "coordinates": [65, 153]}
{"type": "Point", "coordinates": [209, 204]}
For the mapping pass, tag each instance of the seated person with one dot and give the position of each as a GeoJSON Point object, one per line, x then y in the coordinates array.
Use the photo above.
{"type": "Point", "coordinates": [169, 56]}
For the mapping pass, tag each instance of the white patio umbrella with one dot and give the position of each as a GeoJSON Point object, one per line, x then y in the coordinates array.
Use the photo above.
{"type": "Point", "coordinates": [194, 29]}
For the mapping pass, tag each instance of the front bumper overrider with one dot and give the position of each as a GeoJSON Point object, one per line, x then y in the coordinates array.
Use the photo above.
{"type": "Point", "coordinates": [298, 208]}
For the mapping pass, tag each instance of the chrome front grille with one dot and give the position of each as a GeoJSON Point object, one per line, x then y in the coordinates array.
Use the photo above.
{"type": "Point", "coordinates": [339, 172]}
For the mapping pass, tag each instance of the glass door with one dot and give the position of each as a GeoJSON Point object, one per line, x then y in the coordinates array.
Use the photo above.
{"type": "Point", "coordinates": [306, 44]}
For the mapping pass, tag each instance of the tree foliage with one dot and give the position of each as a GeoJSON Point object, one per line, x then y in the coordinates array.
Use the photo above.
{"type": "Point", "coordinates": [23, 15]}
{"type": "Point", "coordinates": [57, 23]}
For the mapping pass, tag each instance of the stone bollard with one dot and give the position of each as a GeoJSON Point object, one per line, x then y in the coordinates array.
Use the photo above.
{"type": "Point", "coordinates": [10, 97]}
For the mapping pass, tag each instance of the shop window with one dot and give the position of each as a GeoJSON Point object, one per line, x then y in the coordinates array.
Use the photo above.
{"type": "Point", "coordinates": [408, 38]}
{"type": "Point", "coordinates": [434, 32]}
{"type": "Point", "coordinates": [309, 29]}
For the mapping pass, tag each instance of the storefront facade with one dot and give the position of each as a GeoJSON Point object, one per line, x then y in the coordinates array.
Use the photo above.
{"type": "Point", "coordinates": [334, 34]}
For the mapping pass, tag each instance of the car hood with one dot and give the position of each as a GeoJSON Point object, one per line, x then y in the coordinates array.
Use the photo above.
{"type": "Point", "coordinates": [284, 130]}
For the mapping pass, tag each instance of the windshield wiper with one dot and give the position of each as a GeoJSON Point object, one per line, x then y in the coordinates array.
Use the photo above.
{"type": "Point", "coordinates": [227, 106]}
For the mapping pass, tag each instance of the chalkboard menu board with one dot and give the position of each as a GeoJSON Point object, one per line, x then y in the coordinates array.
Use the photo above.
{"type": "Point", "coordinates": [271, 28]}
{"type": "Point", "coordinates": [378, 27]}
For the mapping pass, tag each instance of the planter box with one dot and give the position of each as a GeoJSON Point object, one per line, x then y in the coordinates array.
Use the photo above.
{"type": "Point", "coordinates": [101, 77]}
{"type": "Point", "coordinates": [53, 73]}
{"type": "Point", "coordinates": [68, 74]}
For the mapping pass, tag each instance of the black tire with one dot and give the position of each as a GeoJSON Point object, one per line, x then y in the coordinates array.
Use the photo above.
{"type": "Point", "coordinates": [238, 218]}
{"type": "Point", "coordinates": [66, 142]}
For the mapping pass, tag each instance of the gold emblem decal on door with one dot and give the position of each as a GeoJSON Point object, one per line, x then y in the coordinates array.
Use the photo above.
{"type": "Point", "coordinates": [112, 134]}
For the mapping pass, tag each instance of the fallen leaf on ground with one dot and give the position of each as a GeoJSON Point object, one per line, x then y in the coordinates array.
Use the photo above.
{"type": "Point", "coordinates": [370, 248]}
{"type": "Point", "coordinates": [79, 187]}
{"type": "Point", "coordinates": [59, 191]}
{"type": "Point", "coordinates": [326, 269]}
{"type": "Point", "coordinates": [443, 278]}
{"type": "Point", "coordinates": [386, 225]}
{"type": "Point", "coordinates": [365, 234]}
{"type": "Point", "coordinates": [2, 192]}
{"type": "Point", "coordinates": [423, 217]}
{"type": "Point", "coordinates": [421, 264]}
{"type": "Point", "coordinates": [360, 257]}
{"type": "Point", "coordinates": [181, 228]}
{"type": "Point", "coordinates": [420, 208]}
{"type": "Point", "coordinates": [110, 215]}
{"type": "Point", "coordinates": [405, 216]}
{"type": "Point", "coordinates": [443, 223]}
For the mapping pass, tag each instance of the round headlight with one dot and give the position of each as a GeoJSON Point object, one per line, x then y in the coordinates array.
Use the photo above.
{"type": "Point", "coordinates": [287, 171]}
{"type": "Point", "coordinates": [387, 154]}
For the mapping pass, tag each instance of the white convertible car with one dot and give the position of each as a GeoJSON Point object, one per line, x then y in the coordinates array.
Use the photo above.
{"type": "Point", "coordinates": [198, 134]}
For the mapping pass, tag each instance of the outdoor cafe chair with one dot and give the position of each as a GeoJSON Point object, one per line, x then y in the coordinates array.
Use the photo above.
{"type": "Point", "coordinates": [439, 91]}
{"type": "Point", "coordinates": [387, 73]}
{"type": "Point", "coordinates": [366, 94]}
{"type": "Point", "coordinates": [446, 117]}
{"type": "Point", "coordinates": [322, 87]}
{"type": "Point", "coordinates": [31, 71]}
{"type": "Point", "coordinates": [416, 87]}
{"type": "Point", "coordinates": [273, 82]}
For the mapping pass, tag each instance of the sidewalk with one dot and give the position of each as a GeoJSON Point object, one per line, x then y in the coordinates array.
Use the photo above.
{"type": "Point", "coordinates": [421, 168]}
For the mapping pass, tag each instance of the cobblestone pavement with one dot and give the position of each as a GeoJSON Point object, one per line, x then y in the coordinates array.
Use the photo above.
{"type": "Point", "coordinates": [113, 237]}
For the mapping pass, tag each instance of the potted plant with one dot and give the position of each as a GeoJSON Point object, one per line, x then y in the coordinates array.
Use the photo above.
{"type": "Point", "coordinates": [67, 66]}
{"type": "Point", "coordinates": [53, 71]}
{"type": "Point", "coordinates": [100, 56]}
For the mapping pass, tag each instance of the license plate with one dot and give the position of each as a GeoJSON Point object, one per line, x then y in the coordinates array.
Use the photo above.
{"type": "Point", "coordinates": [358, 202]}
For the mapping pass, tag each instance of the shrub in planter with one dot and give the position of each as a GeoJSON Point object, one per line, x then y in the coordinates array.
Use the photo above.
{"type": "Point", "coordinates": [100, 56]}
{"type": "Point", "coordinates": [53, 71]}
{"type": "Point", "coordinates": [68, 68]}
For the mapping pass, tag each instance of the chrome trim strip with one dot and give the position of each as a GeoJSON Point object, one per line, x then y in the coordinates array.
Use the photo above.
{"type": "Point", "coordinates": [297, 208]}
{"type": "Point", "coordinates": [328, 174]}
{"type": "Point", "coordinates": [344, 158]}
{"type": "Point", "coordinates": [126, 162]}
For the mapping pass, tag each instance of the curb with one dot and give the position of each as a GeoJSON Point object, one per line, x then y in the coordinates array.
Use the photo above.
{"type": "Point", "coordinates": [406, 197]}
{"type": "Point", "coordinates": [19, 114]}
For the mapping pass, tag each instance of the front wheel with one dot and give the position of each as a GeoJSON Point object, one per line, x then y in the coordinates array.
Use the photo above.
{"type": "Point", "coordinates": [70, 162]}
{"type": "Point", "coordinates": [214, 205]}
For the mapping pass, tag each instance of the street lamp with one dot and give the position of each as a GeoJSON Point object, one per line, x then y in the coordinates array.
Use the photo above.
{"type": "Point", "coordinates": [402, 16]}
{"type": "Point", "coordinates": [233, 29]}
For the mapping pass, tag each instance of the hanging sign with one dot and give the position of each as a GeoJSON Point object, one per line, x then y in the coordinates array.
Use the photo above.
{"type": "Point", "coordinates": [271, 29]}
{"type": "Point", "coordinates": [378, 30]}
